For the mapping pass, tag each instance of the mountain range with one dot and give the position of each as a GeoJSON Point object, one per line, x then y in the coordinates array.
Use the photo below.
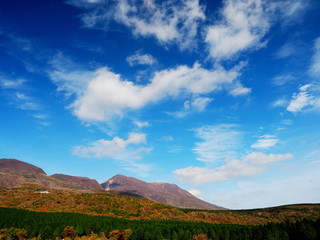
{"type": "Point", "coordinates": [16, 173]}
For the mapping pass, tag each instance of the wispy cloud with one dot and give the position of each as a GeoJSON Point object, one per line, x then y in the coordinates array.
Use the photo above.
{"type": "Point", "coordinates": [283, 79]}
{"type": "Point", "coordinates": [141, 59]}
{"type": "Point", "coordinates": [141, 124]}
{"type": "Point", "coordinates": [167, 21]}
{"type": "Point", "coordinates": [308, 98]}
{"type": "Point", "coordinates": [219, 142]}
{"type": "Point", "coordinates": [265, 141]}
{"type": "Point", "coordinates": [18, 93]}
{"type": "Point", "coordinates": [198, 104]}
{"type": "Point", "coordinates": [286, 50]}
{"type": "Point", "coordinates": [315, 63]}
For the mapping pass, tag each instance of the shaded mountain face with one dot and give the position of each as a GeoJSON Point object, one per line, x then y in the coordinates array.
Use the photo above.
{"type": "Point", "coordinates": [166, 193]}
{"type": "Point", "coordinates": [83, 181]}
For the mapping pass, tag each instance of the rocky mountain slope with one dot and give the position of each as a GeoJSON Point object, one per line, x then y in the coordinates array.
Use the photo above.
{"type": "Point", "coordinates": [166, 193]}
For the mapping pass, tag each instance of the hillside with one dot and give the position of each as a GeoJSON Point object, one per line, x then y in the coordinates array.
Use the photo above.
{"type": "Point", "coordinates": [165, 193]}
{"type": "Point", "coordinates": [83, 181]}
{"type": "Point", "coordinates": [142, 209]}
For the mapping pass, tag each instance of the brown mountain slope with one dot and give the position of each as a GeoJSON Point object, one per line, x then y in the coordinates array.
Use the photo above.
{"type": "Point", "coordinates": [166, 193]}
{"type": "Point", "coordinates": [15, 173]}
{"type": "Point", "coordinates": [84, 181]}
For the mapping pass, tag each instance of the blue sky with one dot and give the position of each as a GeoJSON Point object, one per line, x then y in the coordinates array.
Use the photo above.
{"type": "Point", "coordinates": [219, 97]}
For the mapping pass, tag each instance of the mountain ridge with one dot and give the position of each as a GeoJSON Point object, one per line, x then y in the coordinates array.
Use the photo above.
{"type": "Point", "coordinates": [16, 173]}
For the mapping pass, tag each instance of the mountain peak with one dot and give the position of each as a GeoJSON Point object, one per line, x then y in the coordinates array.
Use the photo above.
{"type": "Point", "coordinates": [167, 193]}
{"type": "Point", "coordinates": [18, 167]}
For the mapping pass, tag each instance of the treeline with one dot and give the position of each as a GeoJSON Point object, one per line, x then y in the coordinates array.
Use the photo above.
{"type": "Point", "coordinates": [51, 225]}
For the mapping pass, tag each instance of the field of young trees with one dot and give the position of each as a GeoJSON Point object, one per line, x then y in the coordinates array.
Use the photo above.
{"type": "Point", "coordinates": [53, 225]}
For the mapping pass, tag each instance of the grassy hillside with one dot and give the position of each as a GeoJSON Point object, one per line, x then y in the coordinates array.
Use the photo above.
{"type": "Point", "coordinates": [132, 208]}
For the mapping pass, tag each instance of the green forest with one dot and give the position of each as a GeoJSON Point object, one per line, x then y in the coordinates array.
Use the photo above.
{"type": "Point", "coordinates": [51, 226]}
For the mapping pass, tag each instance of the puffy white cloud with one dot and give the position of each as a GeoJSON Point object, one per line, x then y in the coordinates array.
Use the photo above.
{"type": "Point", "coordinates": [107, 95]}
{"type": "Point", "coordinates": [218, 142]}
{"type": "Point", "coordinates": [251, 165]}
{"type": "Point", "coordinates": [265, 143]}
{"type": "Point", "coordinates": [143, 59]}
{"type": "Point", "coordinates": [167, 21]}
{"type": "Point", "coordinates": [243, 25]}
{"type": "Point", "coordinates": [315, 64]}
{"type": "Point", "coordinates": [127, 152]}
{"type": "Point", "coordinates": [116, 148]}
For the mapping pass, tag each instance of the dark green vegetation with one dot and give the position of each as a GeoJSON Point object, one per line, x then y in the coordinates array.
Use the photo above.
{"type": "Point", "coordinates": [50, 225]}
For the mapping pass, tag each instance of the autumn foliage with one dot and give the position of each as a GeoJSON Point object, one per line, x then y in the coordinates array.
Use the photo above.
{"type": "Point", "coordinates": [131, 208]}
{"type": "Point", "coordinates": [121, 234]}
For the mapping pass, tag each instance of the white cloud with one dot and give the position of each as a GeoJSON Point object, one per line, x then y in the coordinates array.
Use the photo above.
{"type": "Point", "coordinates": [287, 50]}
{"type": "Point", "coordinates": [251, 165]}
{"type": "Point", "coordinates": [67, 77]}
{"type": "Point", "coordinates": [240, 90]}
{"type": "Point", "coordinates": [198, 104]}
{"type": "Point", "coordinates": [258, 158]}
{"type": "Point", "coordinates": [219, 142]}
{"type": "Point", "coordinates": [141, 124]}
{"type": "Point", "coordinates": [168, 21]}
{"type": "Point", "coordinates": [282, 79]}
{"type": "Point", "coordinates": [143, 59]}
{"type": "Point", "coordinates": [18, 94]}
{"type": "Point", "coordinates": [175, 149]}
{"type": "Point", "coordinates": [195, 192]}
{"type": "Point", "coordinates": [16, 84]}
{"type": "Point", "coordinates": [232, 169]}
{"type": "Point", "coordinates": [315, 64]}
{"type": "Point", "coordinates": [116, 148]}
{"type": "Point", "coordinates": [265, 143]}
{"type": "Point", "coordinates": [280, 103]}
{"type": "Point", "coordinates": [244, 23]}
{"type": "Point", "coordinates": [302, 99]}
{"type": "Point", "coordinates": [167, 139]}
{"type": "Point", "coordinates": [107, 95]}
